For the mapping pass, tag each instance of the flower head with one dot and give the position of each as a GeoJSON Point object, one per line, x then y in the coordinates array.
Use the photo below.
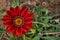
{"type": "Point", "coordinates": [18, 20]}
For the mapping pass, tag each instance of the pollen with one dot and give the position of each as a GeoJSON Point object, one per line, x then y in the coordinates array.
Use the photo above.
{"type": "Point", "coordinates": [18, 21]}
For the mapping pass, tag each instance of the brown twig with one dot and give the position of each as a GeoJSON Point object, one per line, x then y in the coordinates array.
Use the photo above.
{"type": "Point", "coordinates": [49, 33]}
{"type": "Point", "coordinates": [39, 23]}
{"type": "Point", "coordinates": [1, 36]}
{"type": "Point", "coordinates": [36, 22]}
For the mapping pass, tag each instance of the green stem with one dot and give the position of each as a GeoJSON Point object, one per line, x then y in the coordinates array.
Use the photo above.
{"type": "Point", "coordinates": [24, 37]}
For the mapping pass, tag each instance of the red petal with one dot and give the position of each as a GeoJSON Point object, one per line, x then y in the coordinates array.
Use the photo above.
{"type": "Point", "coordinates": [24, 11]}
{"type": "Point", "coordinates": [8, 22]}
{"type": "Point", "coordinates": [14, 31]}
{"type": "Point", "coordinates": [19, 32]}
{"type": "Point", "coordinates": [28, 26]}
{"type": "Point", "coordinates": [17, 9]}
{"type": "Point", "coordinates": [25, 27]}
{"type": "Point", "coordinates": [13, 11]}
{"type": "Point", "coordinates": [29, 21]}
{"type": "Point", "coordinates": [6, 17]}
{"type": "Point", "coordinates": [9, 28]}
{"type": "Point", "coordinates": [10, 13]}
{"type": "Point", "coordinates": [24, 31]}
{"type": "Point", "coordinates": [28, 15]}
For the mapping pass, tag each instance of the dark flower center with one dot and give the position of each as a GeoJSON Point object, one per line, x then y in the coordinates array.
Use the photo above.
{"type": "Point", "coordinates": [18, 21]}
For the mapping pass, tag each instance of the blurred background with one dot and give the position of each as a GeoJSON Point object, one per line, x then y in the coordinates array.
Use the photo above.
{"type": "Point", "coordinates": [52, 5]}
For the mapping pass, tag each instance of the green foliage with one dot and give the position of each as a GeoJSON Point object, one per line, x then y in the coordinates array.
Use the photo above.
{"type": "Point", "coordinates": [51, 38]}
{"type": "Point", "coordinates": [2, 30]}
{"type": "Point", "coordinates": [24, 37]}
{"type": "Point", "coordinates": [41, 16]}
{"type": "Point", "coordinates": [36, 37]}
{"type": "Point", "coordinates": [13, 38]}
{"type": "Point", "coordinates": [15, 3]}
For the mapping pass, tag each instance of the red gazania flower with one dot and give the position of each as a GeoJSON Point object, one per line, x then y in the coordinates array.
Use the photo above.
{"type": "Point", "coordinates": [18, 20]}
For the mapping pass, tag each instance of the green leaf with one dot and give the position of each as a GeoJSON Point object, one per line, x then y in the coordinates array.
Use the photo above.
{"type": "Point", "coordinates": [54, 25]}
{"type": "Point", "coordinates": [13, 38]}
{"type": "Point", "coordinates": [46, 19]}
{"type": "Point", "coordinates": [46, 12]}
{"type": "Point", "coordinates": [15, 3]}
{"type": "Point", "coordinates": [36, 37]}
{"type": "Point", "coordinates": [33, 31]}
{"type": "Point", "coordinates": [24, 37]}
{"type": "Point", "coordinates": [35, 15]}
{"type": "Point", "coordinates": [40, 29]}
{"type": "Point", "coordinates": [1, 11]}
{"type": "Point", "coordinates": [57, 29]}
{"type": "Point", "coordinates": [51, 38]}
{"type": "Point", "coordinates": [21, 4]}
{"type": "Point", "coordinates": [2, 30]}
{"type": "Point", "coordinates": [38, 9]}
{"type": "Point", "coordinates": [36, 18]}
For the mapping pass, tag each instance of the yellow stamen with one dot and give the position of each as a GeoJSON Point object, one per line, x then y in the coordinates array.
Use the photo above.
{"type": "Point", "coordinates": [18, 21]}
